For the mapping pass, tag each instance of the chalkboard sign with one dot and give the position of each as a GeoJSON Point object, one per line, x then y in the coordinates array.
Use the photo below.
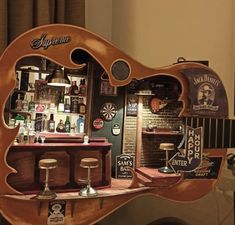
{"type": "Point", "coordinates": [123, 162]}
{"type": "Point", "coordinates": [132, 105]}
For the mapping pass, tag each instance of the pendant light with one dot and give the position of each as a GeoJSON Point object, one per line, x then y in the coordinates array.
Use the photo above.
{"type": "Point", "coordinates": [58, 78]}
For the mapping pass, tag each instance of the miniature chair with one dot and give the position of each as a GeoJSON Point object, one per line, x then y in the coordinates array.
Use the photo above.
{"type": "Point", "coordinates": [47, 164]}
{"type": "Point", "coordinates": [166, 147]}
{"type": "Point", "coordinates": [88, 163]}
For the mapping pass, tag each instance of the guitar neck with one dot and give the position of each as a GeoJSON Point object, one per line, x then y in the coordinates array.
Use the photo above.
{"type": "Point", "coordinates": [218, 133]}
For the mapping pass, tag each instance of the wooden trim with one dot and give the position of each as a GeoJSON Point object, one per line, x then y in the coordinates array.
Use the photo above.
{"type": "Point", "coordinates": [139, 132]}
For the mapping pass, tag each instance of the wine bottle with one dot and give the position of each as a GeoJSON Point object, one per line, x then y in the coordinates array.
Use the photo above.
{"type": "Point", "coordinates": [31, 105]}
{"type": "Point", "coordinates": [67, 125]}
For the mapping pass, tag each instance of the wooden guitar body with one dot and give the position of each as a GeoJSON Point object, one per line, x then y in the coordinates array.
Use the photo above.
{"type": "Point", "coordinates": [57, 43]}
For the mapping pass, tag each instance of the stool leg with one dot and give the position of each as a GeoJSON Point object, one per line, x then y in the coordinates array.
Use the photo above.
{"type": "Point", "coordinates": [46, 193]}
{"type": "Point", "coordinates": [166, 168]}
{"type": "Point", "coordinates": [47, 181]}
{"type": "Point", "coordinates": [88, 190]}
{"type": "Point", "coordinates": [167, 158]}
{"type": "Point", "coordinates": [89, 177]}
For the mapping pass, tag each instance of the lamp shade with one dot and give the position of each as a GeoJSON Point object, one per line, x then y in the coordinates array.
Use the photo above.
{"type": "Point", "coordinates": [58, 78]}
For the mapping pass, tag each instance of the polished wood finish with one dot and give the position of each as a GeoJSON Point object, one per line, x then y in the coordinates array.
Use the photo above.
{"type": "Point", "coordinates": [18, 208]}
{"type": "Point", "coordinates": [68, 175]}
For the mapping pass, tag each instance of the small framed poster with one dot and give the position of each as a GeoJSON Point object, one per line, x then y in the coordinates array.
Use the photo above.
{"type": "Point", "coordinates": [56, 212]}
{"type": "Point", "coordinates": [123, 162]}
{"type": "Point", "coordinates": [107, 89]}
{"type": "Point", "coordinates": [132, 105]}
{"type": "Point", "coordinates": [47, 94]}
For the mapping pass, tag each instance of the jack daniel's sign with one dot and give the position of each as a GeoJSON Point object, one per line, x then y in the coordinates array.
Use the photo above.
{"type": "Point", "coordinates": [44, 42]}
{"type": "Point", "coordinates": [207, 94]}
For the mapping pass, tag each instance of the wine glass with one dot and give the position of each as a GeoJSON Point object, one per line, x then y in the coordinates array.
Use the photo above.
{"type": "Point", "coordinates": [42, 138]}
{"type": "Point", "coordinates": [37, 136]}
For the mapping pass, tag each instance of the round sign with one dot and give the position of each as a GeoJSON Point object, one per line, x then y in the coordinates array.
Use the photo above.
{"type": "Point", "coordinates": [98, 123]}
{"type": "Point", "coordinates": [116, 129]}
{"type": "Point", "coordinates": [108, 111]}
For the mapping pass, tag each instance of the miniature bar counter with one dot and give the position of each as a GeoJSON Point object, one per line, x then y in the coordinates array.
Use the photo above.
{"type": "Point", "coordinates": [68, 175]}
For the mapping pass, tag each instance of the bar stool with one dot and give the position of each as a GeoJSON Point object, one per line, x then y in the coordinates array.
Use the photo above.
{"type": "Point", "coordinates": [166, 147]}
{"type": "Point", "coordinates": [88, 163]}
{"type": "Point", "coordinates": [47, 164]}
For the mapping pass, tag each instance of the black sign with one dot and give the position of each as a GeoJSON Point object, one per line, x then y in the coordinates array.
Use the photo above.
{"type": "Point", "coordinates": [123, 162]}
{"type": "Point", "coordinates": [132, 105]}
{"type": "Point", "coordinates": [207, 93]}
{"type": "Point", "coordinates": [56, 212]}
{"type": "Point", "coordinates": [191, 157]}
{"type": "Point", "coordinates": [209, 169]}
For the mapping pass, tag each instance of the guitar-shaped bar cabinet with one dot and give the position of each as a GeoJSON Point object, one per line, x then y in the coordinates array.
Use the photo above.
{"type": "Point", "coordinates": [57, 43]}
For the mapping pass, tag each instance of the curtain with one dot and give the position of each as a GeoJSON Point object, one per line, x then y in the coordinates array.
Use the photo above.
{"type": "Point", "coordinates": [18, 16]}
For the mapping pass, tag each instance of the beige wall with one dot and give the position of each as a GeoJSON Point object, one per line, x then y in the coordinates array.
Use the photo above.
{"type": "Point", "coordinates": [98, 17]}
{"type": "Point", "coordinates": [156, 33]}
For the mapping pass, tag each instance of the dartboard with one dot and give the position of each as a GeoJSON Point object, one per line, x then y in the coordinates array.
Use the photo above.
{"type": "Point", "coordinates": [108, 110]}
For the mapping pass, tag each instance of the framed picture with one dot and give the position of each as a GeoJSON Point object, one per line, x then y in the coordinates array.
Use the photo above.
{"type": "Point", "coordinates": [107, 89]}
{"type": "Point", "coordinates": [47, 94]}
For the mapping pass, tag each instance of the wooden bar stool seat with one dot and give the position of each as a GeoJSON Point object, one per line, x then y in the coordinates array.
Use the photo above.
{"type": "Point", "coordinates": [88, 163]}
{"type": "Point", "coordinates": [47, 164]}
{"type": "Point", "coordinates": [166, 147]}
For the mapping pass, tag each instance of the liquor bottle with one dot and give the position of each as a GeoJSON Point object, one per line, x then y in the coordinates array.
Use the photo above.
{"type": "Point", "coordinates": [45, 123]}
{"type": "Point", "coordinates": [80, 124]}
{"type": "Point", "coordinates": [61, 104]}
{"type": "Point", "coordinates": [74, 104]}
{"type": "Point", "coordinates": [19, 119]}
{"type": "Point", "coordinates": [31, 105]}
{"type": "Point", "coordinates": [24, 80]}
{"type": "Point", "coordinates": [67, 125]}
{"type": "Point", "coordinates": [74, 88]}
{"type": "Point", "coordinates": [60, 126]}
{"type": "Point", "coordinates": [81, 106]}
{"type": "Point", "coordinates": [51, 124]}
{"type": "Point", "coordinates": [67, 106]}
{"type": "Point", "coordinates": [18, 105]}
{"type": "Point", "coordinates": [25, 104]}
{"type": "Point", "coordinates": [82, 87]}
{"type": "Point", "coordinates": [17, 81]}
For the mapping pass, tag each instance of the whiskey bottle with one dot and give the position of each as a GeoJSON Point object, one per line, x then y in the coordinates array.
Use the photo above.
{"type": "Point", "coordinates": [19, 105]}
{"type": "Point", "coordinates": [81, 106]}
{"type": "Point", "coordinates": [74, 88]}
{"type": "Point", "coordinates": [25, 103]}
{"type": "Point", "coordinates": [82, 87]}
{"type": "Point", "coordinates": [51, 124]}
{"type": "Point", "coordinates": [67, 106]}
{"type": "Point", "coordinates": [74, 104]}
{"type": "Point", "coordinates": [60, 126]}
